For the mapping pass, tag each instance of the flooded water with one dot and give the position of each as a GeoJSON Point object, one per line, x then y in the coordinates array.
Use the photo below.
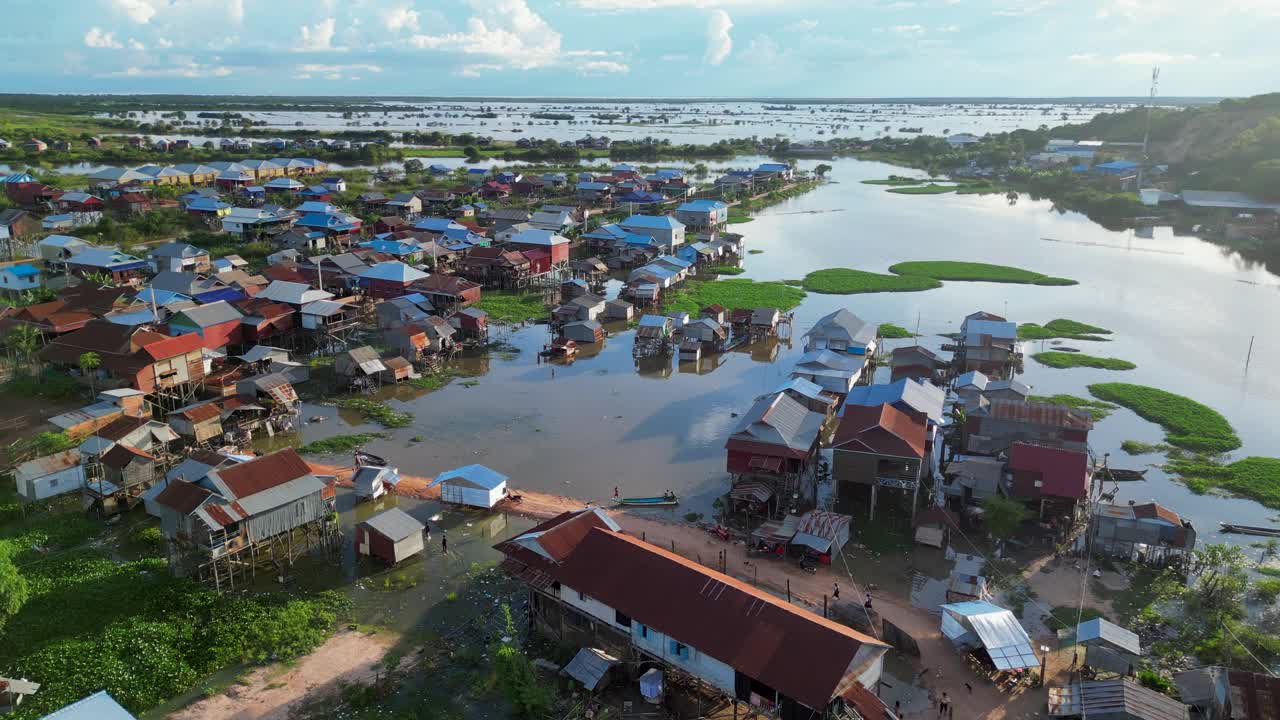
{"type": "Point", "coordinates": [699, 122]}
{"type": "Point", "coordinates": [1178, 306]}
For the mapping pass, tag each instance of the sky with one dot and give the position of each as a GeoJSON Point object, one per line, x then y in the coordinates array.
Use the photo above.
{"type": "Point", "coordinates": [638, 48]}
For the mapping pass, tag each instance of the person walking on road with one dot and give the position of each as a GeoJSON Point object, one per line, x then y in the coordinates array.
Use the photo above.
{"type": "Point", "coordinates": [835, 591]}
{"type": "Point", "coordinates": [444, 543]}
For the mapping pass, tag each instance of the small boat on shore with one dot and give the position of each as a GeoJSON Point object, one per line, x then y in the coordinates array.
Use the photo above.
{"type": "Point", "coordinates": [1250, 530]}
{"type": "Point", "coordinates": [656, 501]}
{"type": "Point", "coordinates": [1120, 475]}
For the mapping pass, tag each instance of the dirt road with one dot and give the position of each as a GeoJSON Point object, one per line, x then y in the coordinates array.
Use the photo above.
{"type": "Point", "coordinates": [271, 693]}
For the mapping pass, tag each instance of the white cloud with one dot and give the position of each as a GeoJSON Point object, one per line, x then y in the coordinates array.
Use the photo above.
{"type": "Point", "coordinates": [135, 45]}
{"type": "Point", "coordinates": [764, 50]}
{"type": "Point", "coordinates": [948, 28]}
{"type": "Point", "coordinates": [589, 53]}
{"type": "Point", "coordinates": [804, 25]}
{"type": "Point", "coordinates": [402, 17]}
{"type": "Point", "coordinates": [476, 69]}
{"type": "Point", "coordinates": [139, 11]}
{"type": "Point", "coordinates": [302, 76]}
{"type": "Point", "coordinates": [1082, 57]}
{"type": "Point", "coordinates": [674, 57]}
{"type": "Point", "coordinates": [235, 9]}
{"type": "Point", "coordinates": [908, 29]}
{"type": "Point", "coordinates": [96, 38]}
{"type": "Point", "coordinates": [183, 69]}
{"type": "Point", "coordinates": [1022, 8]}
{"type": "Point", "coordinates": [164, 43]}
{"type": "Point", "coordinates": [603, 67]}
{"type": "Point", "coordinates": [719, 41]}
{"type": "Point", "coordinates": [319, 36]}
{"type": "Point", "coordinates": [1152, 58]}
{"type": "Point", "coordinates": [656, 4]}
{"type": "Point", "coordinates": [507, 31]}
{"type": "Point", "coordinates": [353, 67]}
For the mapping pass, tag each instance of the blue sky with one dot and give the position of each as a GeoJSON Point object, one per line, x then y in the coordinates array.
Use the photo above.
{"type": "Point", "coordinates": [812, 48]}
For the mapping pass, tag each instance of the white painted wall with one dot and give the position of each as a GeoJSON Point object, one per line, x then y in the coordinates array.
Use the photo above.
{"type": "Point", "coordinates": [697, 663]}
{"type": "Point", "coordinates": [46, 486]}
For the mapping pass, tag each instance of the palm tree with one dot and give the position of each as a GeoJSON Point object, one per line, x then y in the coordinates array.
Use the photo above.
{"type": "Point", "coordinates": [89, 362]}
{"type": "Point", "coordinates": [25, 340]}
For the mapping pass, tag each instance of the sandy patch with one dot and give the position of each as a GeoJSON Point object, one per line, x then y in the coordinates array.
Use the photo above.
{"type": "Point", "coordinates": [271, 693]}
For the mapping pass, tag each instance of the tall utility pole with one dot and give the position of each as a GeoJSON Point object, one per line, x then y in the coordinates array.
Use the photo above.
{"type": "Point", "coordinates": [1146, 135]}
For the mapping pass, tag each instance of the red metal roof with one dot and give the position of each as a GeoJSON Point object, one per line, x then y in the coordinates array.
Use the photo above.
{"type": "Point", "coordinates": [264, 473]}
{"type": "Point", "coordinates": [800, 654]}
{"type": "Point", "coordinates": [120, 455]}
{"type": "Point", "coordinates": [883, 430]}
{"type": "Point", "coordinates": [1049, 414]}
{"type": "Point", "coordinates": [182, 496]}
{"type": "Point", "coordinates": [201, 413]}
{"type": "Point", "coordinates": [1063, 473]}
{"type": "Point", "coordinates": [1156, 510]}
{"type": "Point", "coordinates": [119, 428]}
{"type": "Point", "coordinates": [170, 346]}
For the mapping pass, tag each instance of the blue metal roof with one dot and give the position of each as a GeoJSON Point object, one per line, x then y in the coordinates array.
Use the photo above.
{"type": "Point", "coordinates": [657, 222]}
{"type": "Point", "coordinates": [394, 271]}
{"type": "Point", "coordinates": [477, 475]}
{"type": "Point", "coordinates": [659, 321]}
{"type": "Point", "coordinates": [703, 206]}
{"type": "Point", "coordinates": [206, 204]}
{"type": "Point", "coordinates": [773, 167]}
{"type": "Point", "coordinates": [316, 206]}
{"type": "Point", "coordinates": [161, 297]}
{"type": "Point", "coordinates": [607, 232]}
{"type": "Point", "coordinates": [332, 221]}
{"type": "Point", "coordinates": [642, 197]}
{"type": "Point", "coordinates": [438, 168]}
{"type": "Point", "coordinates": [592, 186]}
{"type": "Point", "coordinates": [19, 178]}
{"type": "Point", "coordinates": [227, 294]}
{"type": "Point", "coordinates": [24, 270]}
{"type": "Point", "coordinates": [391, 247]}
{"type": "Point", "coordinates": [437, 224]}
{"type": "Point", "coordinates": [133, 318]}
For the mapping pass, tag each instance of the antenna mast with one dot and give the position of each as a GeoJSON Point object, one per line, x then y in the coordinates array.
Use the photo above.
{"type": "Point", "coordinates": [1146, 135]}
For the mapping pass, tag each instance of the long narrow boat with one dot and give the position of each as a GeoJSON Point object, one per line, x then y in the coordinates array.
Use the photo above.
{"type": "Point", "coordinates": [656, 501]}
{"type": "Point", "coordinates": [1250, 530]}
{"type": "Point", "coordinates": [1127, 475]}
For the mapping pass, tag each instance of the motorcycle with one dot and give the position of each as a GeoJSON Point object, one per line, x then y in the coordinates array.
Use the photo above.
{"type": "Point", "coordinates": [805, 566]}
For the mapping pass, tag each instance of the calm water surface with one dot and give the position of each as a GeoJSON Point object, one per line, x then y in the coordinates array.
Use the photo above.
{"type": "Point", "coordinates": [1182, 309]}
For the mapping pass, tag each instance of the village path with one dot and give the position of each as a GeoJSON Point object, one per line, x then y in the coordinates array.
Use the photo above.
{"type": "Point", "coordinates": [273, 692]}
{"type": "Point", "coordinates": [354, 657]}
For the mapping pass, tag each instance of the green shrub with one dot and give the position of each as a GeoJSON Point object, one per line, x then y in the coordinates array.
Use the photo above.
{"type": "Point", "coordinates": [148, 537]}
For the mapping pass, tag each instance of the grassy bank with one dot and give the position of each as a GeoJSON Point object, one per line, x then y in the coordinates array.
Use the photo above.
{"type": "Point", "coordinates": [846, 281]}
{"type": "Point", "coordinates": [89, 621]}
{"type": "Point", "coordinates": [1063, 360]}
{"type": "Point", "coordinates": [512, 307]}
{"type": "Point", "coordinates": [734, 294]}
{"type": "Point", "coordinates": [930, 189]}
{"type": "Point", "coordinates": [725, 270]}
{"type": "Point", "coordinates": [1062, 328]}
{"type": "Point", "coordinates": [975, 272]}
{"type": "Point", "coordinates": [1187, 423]}
{"type": "Point", "coordinates": [1097, 408]}
{"type": "Point", "coordinates": [1256, 478]}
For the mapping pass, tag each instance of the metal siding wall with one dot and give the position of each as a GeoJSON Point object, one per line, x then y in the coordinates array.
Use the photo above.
{"type": "Point", "coordinates": [286, 518]}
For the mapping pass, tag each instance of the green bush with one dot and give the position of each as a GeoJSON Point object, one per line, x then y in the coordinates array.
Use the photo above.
{"type": "Point", "coordinates": [890, 331]}
{"type": "Point", "coordinates": [1062, 328]}
{"type": "Point", "coordinates": [147, 536]}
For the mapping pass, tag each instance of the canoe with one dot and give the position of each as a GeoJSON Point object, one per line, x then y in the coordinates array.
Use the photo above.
{"type": "Point", "coordinates": [1250, 530]}
{"type": "Point", "coordinates": [1127, 475]}
{"type": "Point", "coordinates": [657, 501]}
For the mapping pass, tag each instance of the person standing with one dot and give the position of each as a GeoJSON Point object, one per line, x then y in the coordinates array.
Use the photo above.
{"type": "Point", "coordinates": [426, 532]}
{"type": "Point", "coordinates": [444, 543]}
{"type": "Point", "coordinates": [944, 705]}
{"type": "Point", "coordinates": [835, 591]}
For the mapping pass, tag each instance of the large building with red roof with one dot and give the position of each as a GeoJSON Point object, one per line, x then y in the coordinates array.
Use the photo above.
{"type": "Point", "coordinates": [876, 448]}
{"type": "Point", "coordinates": [591, 584]}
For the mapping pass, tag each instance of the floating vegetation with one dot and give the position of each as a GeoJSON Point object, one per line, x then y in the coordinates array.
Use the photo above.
{"type": "Point", "coordinates": [340, 444]}
{"type": "Point", "coordinates": [889, 331]}
{"type": "Point", "coordinates": [512, 307]}
{"type": "Point", "coordinates": [1256, 478]}
{"type": "Point", "coordinates": [377, 411]}
{"type": "Point", "coordinates": [975, 272]}
{"type": "Point", "coordinates": [725, 270]}
{"type": "Point", "coordinates": [1187, 423]}
{"type": "Point", "coordinates": [1062, 328]}
{"type": "Point", "coordinates": [930, 189]}
{"type": "Point", "coordinates": [734, 294]}
{"type": "Point", "coordinates": [846, 281]}
{"type": "Point", "coordinates": [1063, 360]}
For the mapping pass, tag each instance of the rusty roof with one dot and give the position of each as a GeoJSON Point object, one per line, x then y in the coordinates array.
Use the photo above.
{"type": "Point", "coordinates": [263, 473]}
{"type": "Point", "coordinates": [120, 455]}
{"type": "Point", "coordinates": [881, 429]}
{"type": "Point", "coordinates": [169, 347]}
{"type": "Point", "coordinates": [1041, 414]}
{"type": "Point", "coordinates": [1153, 510]}
{"type": "Point", "coordinates": [120, 427]}
{"type": "Point", "coordinates": [1063, 473]}
{"type": "Point", "coordinates": [802, 655]}
{"type": "Point", "coordinates": [182, 496]}
{"type": "Point", "coordinates": [201, 413]}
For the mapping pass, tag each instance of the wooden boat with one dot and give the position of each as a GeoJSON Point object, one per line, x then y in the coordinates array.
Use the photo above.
{"type": "Point", "coordinates": [656, 501]}
{"type": "Point", "coordinates": [364, 458]}
{"type": "Point", "coordinates": [1120, 475]}
{"type": "Point", "coordinates": [1250, 530]}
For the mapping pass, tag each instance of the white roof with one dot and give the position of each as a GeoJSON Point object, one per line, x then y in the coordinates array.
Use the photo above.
{"type": "Point", "coordinates": [292, 293]}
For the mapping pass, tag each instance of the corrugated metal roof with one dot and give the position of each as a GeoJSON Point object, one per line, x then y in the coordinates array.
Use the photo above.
{"type": "Point", "coordinates": [262, 473]}
{"type": "Point", "coordinates": [803, 656]}
{"type": "Point", "coordinates": [394, 524]}
{"type": "Point", "coordinates": [881, 429]}
{"type": "Point", "coordinates": [844, 325]}
{"type": "Point", "coordinates": [1102, 698]}
{"type": "Point", "coordinates": [780, 420]}
{"type": "Point", "coordinates": [215, 313]}
{"type": "Point", "coordinates": [925, 398]}
{"type": "Point", "coordinates": [590, 666]}
{"type": "Point", "coordinates": [476, 476]}
{"type": "Point", "coordinates": [98, 706]}
{"type": "Point", "coordinates": [48, 464]}
{"type": "Point", "coordinates": [998, 630]}
{"type": "Point", "coordinates": [1104, 630]}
